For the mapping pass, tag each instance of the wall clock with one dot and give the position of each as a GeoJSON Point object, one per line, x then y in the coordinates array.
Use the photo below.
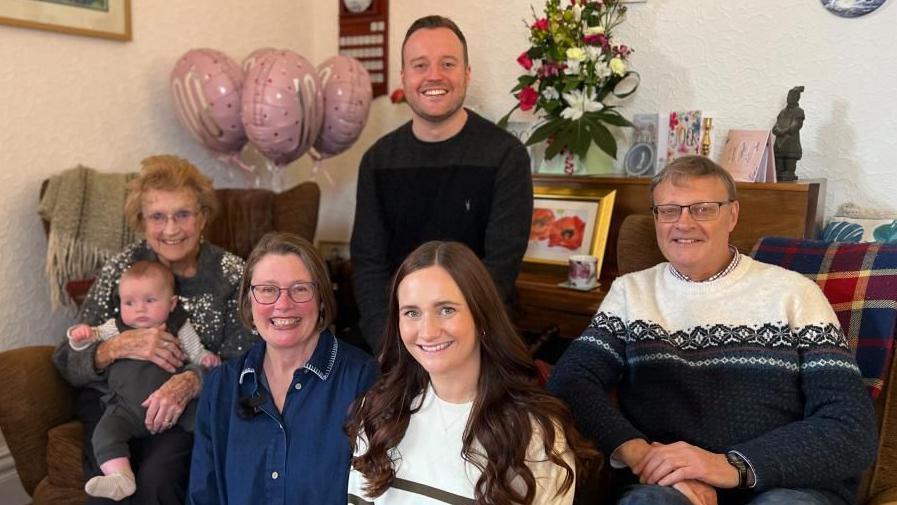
{"type": "Point", "coordinates": [851, 8]}
{"type": "Point", "coordinates": [357, 6]}
{"type": "Point", "coordinates": [364, 35]}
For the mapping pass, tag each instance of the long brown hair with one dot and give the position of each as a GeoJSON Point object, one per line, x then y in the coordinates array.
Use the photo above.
{"type": "Point", "coordinates": [508, 404]}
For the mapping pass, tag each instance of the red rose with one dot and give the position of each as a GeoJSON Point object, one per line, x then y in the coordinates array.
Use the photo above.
{"type": "Point", "coordinates": [567, 232]}
{"type": "Point", "coordinates": [542, 219]}
{"type": "Point", "coordinates": [598, 39]}
{"type": "Point", "coordinates": [541, 24]}
{"type": "Point", "coordinates": [525, 61]}
{"type": "Point", "coordinates": [397, 96]}
{"type": "Point", "coordinates": [528, 98]}
{"type": "Point", "coordinates": [548, 69]}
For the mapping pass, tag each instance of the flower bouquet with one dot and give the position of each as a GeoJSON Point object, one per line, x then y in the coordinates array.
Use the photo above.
{"type": "Point", "coordinates": [572, 65]}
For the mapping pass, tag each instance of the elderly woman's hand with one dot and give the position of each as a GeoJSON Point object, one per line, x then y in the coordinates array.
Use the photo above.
{"type": "Point", "coordinates": [148, 344]}
{"type": "Point", "coordinates": [165, 405]}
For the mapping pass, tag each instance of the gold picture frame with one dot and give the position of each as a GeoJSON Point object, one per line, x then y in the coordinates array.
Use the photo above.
{"type": "Point", "coordinates": [568, 221]}
{"type": "Point", "coordinates": [108, 19]}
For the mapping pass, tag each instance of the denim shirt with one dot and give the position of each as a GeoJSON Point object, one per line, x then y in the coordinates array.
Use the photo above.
{"type": "Point", "coordinates": [261, 456]}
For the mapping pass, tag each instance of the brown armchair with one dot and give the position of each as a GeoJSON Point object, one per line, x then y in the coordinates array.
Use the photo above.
{"type": "Point", "coordinates": [637, 249]}
{"type": "Point", "coordinates": [36, 403]}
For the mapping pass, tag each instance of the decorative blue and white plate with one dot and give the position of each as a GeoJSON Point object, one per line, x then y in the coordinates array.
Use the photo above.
{"type": "Point", "coordinates": [851, 8]}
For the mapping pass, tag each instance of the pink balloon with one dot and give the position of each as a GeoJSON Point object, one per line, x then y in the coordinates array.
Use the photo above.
{"type": "Point", "coordinates": [347, 101]}
{"type": "Point", "coordinates": [254, 56]}
{"type": "Point", "coordinates": [282, 105]}
{"type": "Point", "coordinates": [206, 86]}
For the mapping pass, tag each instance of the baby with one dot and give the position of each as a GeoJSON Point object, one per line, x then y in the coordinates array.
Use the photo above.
{"type": "Point", "coordinates": [147, 296]}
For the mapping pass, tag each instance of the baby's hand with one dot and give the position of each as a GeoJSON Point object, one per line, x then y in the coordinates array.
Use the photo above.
{"type": "Point", "coordinates": [81, 334]}
{"type": "Point", "coordinates": [210, 360]}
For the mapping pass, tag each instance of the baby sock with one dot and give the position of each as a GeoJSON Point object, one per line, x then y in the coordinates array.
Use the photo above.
{"type": "Point", "coordinates": [117, 486]}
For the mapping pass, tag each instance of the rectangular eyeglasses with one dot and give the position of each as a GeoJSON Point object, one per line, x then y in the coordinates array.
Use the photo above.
{"type": "Point", "coordinates": [266, 294]}
{"type": "Point", "coordinates": [699, 211]}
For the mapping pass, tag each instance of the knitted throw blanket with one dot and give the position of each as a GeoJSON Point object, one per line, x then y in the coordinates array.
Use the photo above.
{"type": "Point", "coordinates": [85, 210]}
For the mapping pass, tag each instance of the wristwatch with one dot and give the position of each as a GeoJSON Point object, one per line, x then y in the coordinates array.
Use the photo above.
{"type": "Point", "coordinates": [745, 476]}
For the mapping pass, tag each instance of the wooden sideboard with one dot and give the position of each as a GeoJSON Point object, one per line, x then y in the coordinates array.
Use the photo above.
{"type": "Point", "coordinates": [780, 209]}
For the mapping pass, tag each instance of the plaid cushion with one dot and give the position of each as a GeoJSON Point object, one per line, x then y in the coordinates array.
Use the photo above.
{"type": "Point", "coordinates": [860, 281]}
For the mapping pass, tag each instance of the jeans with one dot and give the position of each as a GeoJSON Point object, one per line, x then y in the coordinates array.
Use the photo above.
{"type": "Point", "coordinates": [660, 495]}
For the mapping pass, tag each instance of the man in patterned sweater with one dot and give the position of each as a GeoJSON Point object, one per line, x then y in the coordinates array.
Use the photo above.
{"type": "Point", "coordinates": [735, 382]}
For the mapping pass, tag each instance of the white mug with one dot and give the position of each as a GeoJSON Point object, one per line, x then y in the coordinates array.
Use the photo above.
{"type": "Point", "coordinates": [583, 272]}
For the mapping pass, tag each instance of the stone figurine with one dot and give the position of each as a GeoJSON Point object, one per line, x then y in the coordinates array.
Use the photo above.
{"type": "Point", "coordinates": [787, 132]}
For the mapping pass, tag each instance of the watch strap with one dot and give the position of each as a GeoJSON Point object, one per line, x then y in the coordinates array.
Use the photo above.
{"type": "Point", "coordinates": [741, 465]}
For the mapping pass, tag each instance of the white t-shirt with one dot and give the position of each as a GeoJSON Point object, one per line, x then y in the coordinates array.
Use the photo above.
{"type": "Point", "coordinates": [431, 471]}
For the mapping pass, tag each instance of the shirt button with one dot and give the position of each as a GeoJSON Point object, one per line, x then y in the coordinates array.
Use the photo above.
{"type": "Point", "coordinates": [274, 475]}
{"type": "Point", "coordinates": [298, 386]}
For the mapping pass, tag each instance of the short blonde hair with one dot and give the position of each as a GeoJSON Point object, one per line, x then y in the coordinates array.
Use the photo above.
{"type": "Point", "coordinates": [685, 167]}
{"type": "Point", "coordinates": [166, 172]}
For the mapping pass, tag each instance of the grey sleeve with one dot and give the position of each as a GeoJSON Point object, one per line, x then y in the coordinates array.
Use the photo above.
{"type": "Point", "coordinates": [77, 367]}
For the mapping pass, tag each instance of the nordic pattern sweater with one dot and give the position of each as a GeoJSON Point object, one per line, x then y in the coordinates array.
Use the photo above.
{"type": "Point", "coordinates": [754, 362]}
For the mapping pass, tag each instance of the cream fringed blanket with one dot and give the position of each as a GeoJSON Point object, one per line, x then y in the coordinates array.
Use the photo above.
{"type": "Point", "coordinates": [85, 209]}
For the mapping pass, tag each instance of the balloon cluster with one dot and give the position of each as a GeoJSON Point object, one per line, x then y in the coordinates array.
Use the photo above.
{"type": "Point", "coordinates": [276, 106]}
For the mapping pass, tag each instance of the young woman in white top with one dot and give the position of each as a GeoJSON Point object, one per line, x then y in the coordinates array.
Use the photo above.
{"type": "Point", "coordinates": [457, 415]}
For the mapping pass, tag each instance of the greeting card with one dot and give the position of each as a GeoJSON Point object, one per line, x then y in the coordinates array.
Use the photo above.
{"type": "Point", "coordinates": [748, 156]}
{"type": "Point", "coordinates": [648, 151]}
{"type": "Point", "coordinates": [684, 135]}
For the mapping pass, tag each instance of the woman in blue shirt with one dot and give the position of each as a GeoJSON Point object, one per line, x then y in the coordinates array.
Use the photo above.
{"type": "Point", "coordinates": [269, 427]}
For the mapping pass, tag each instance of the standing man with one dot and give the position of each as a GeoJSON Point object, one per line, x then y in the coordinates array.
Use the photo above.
{"type": "Point", "coordinates": [734, 380]}
{"type": "Point", "coordinates": [448, 174]}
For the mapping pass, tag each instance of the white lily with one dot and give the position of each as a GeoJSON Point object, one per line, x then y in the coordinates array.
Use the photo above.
{"type": "Point", "coordinates": [594, 53]}
{"type": "Point", "coordinates": [550, 93]}
{"type": "Point", "coordinates": [602, 70]}
{"type": "Point", "coordinates": [580, 103]}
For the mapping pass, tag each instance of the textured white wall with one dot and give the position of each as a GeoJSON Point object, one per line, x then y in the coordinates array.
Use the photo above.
{"type": "Point", "coordinates": [734, 59]}
{"type": "Point", "coordinates": [69, 100]}
{"type": "Point", "coordinates": [105, 104]}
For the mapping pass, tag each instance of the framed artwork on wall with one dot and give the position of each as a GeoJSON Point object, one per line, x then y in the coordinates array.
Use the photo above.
{"type": "Point", "coordinates": [568, 221]}
{"type": "Point", "coordinates": [108, 19]}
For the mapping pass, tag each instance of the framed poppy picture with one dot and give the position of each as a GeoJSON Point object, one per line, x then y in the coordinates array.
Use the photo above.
{"type": "Point", "coordinates": [569, 221]}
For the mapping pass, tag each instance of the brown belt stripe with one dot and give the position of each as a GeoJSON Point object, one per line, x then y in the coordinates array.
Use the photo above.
{"type": "Point", "coordinates": [421, 489]}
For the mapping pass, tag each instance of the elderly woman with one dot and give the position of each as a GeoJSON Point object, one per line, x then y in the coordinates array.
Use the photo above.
{"type": "Point", "coordinates": [269, 426]}
{"type": "Point", "coordinates": [457, 415]}
{"type": "Point", "coordinates": [170, 202]}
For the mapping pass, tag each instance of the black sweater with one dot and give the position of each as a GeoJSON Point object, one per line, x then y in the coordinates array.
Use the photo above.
{"type": "Point", "coordinates": [473, 188]}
